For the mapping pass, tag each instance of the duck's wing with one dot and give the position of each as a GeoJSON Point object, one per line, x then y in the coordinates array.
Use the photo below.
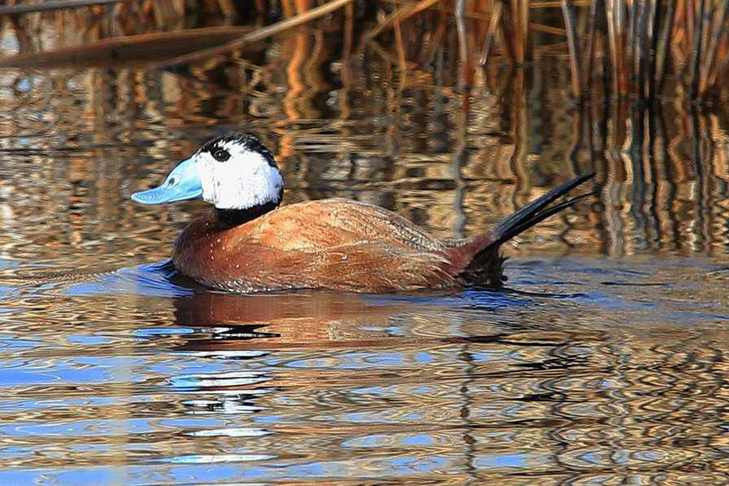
{"type": "Point", "coordinates": [327, 223]}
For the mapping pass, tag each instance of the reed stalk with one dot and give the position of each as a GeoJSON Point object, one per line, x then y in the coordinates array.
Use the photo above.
{"type": "Point", "coordinates": [635, 45]}
{"type": "Point", "coordinates": [696, 51]}
{"type": "Point", "coordinates": [462, 42]}
{"type": "Point", "coordinates": [494, 22]}
{"type": "Point", "coordinates": [261, 33]}
{"type": "Point", "coordinates": [570, 22]}
{"type": "Point", "coordinates": [708, 72]}
{"type": "Point", "coordinates": [594, 20]}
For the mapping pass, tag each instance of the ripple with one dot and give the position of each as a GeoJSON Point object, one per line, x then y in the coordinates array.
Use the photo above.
{"type": "Point", "coordinates": [603, 361]}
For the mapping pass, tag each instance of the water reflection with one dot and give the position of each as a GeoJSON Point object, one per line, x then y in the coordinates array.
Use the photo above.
{"type": "Point", "coordinates": [603, 362]}
{"type": "Point", "coordinates": [662, 171]}
{"type": "Point", "coordinates": [466, 386]}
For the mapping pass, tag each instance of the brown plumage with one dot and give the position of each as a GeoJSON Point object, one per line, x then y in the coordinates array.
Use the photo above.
{"type": "Point", "coordinates": [248, 245]}
{"type": "Point", "coordinates": [345, 245]}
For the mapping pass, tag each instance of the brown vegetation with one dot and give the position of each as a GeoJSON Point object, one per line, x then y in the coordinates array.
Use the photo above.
{"type": "Point", "coordinates": [641, 49]}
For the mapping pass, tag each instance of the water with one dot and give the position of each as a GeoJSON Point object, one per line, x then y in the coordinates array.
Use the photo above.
{"type": "Point", "coordinates": [604, 361]}
{"type": "Point", "coordinates": [128, 381]}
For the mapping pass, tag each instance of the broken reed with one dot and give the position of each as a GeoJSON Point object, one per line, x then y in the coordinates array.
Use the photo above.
{"type": "Point", "coordinates": [634, 45]}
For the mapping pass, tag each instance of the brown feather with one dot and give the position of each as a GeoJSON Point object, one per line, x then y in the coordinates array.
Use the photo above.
{"type": "Point", "coordinates": [346, 245]}
{"type": "Point", "coordinates": [333, 243]}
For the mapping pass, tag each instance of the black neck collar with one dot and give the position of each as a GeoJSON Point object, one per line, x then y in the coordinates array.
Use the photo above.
{"type": "Point", "coordinates": [234, 217]}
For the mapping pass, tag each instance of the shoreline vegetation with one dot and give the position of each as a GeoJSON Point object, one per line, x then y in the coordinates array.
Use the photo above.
{"type": "Point", "coordinates": [640, 50]}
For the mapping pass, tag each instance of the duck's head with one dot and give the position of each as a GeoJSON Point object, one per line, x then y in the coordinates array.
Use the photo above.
{"type": "Point", "coordinates": [234, 172]}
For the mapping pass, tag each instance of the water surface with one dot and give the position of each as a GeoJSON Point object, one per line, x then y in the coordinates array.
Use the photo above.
{"type": "Point", "coordinates": [604, 360]}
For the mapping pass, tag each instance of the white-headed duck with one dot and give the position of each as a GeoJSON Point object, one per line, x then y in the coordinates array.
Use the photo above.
{"type": "Point", "coordinates": [250, 244]}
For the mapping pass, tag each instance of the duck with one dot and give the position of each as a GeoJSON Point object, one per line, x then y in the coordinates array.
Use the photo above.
{"type": "Point", "coordinates": [249, 243]}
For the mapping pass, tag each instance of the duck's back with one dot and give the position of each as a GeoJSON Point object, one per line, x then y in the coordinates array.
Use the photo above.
{"type": "Point", "coordinates": [333, 243]}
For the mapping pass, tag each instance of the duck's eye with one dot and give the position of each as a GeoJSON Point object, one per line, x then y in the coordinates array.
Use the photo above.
{"type": "Point", "coordinates": [221, 155]}
{"type": "Point", "coordinates": [171, 181]}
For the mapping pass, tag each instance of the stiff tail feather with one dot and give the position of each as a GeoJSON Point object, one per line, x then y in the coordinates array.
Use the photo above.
{"type": "Point", "coordinates": [538, 210]}
{"type": "Point", "coordinates": [485, 267]}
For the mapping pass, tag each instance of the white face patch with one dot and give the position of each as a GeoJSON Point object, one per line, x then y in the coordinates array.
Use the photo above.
{"type": "Point", "coordinates": [243, 181]}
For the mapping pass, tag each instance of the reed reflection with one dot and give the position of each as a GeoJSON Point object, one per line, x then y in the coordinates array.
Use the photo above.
{"type": "Point", "coordinates": [493, 397]}
{"type": "Point", "coordinates": [604, 370]}
{"type": "Point", "coordinates": [663, 181]}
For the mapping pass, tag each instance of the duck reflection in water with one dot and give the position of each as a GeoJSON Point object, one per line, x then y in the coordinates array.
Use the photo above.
{"type": "Point", "coordinates": [293, 320]}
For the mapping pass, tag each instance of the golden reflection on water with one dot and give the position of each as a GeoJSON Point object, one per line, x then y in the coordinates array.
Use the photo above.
{"type": "Point", "coordinates": [470, 386]}
{"type": "Point", "coordinates": [413, 151]}
{"type": "Point", "coordinates": [606, 365]}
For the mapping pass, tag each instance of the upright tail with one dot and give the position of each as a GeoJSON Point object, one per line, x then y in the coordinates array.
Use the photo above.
{"type": "Point", "coordinates": [537, 211]}
{"type": "Point", "coordinates": [485, 266]}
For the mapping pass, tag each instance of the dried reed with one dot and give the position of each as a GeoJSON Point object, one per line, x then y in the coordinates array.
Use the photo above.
{"type": "Point", "coordinates": [636, 45]}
